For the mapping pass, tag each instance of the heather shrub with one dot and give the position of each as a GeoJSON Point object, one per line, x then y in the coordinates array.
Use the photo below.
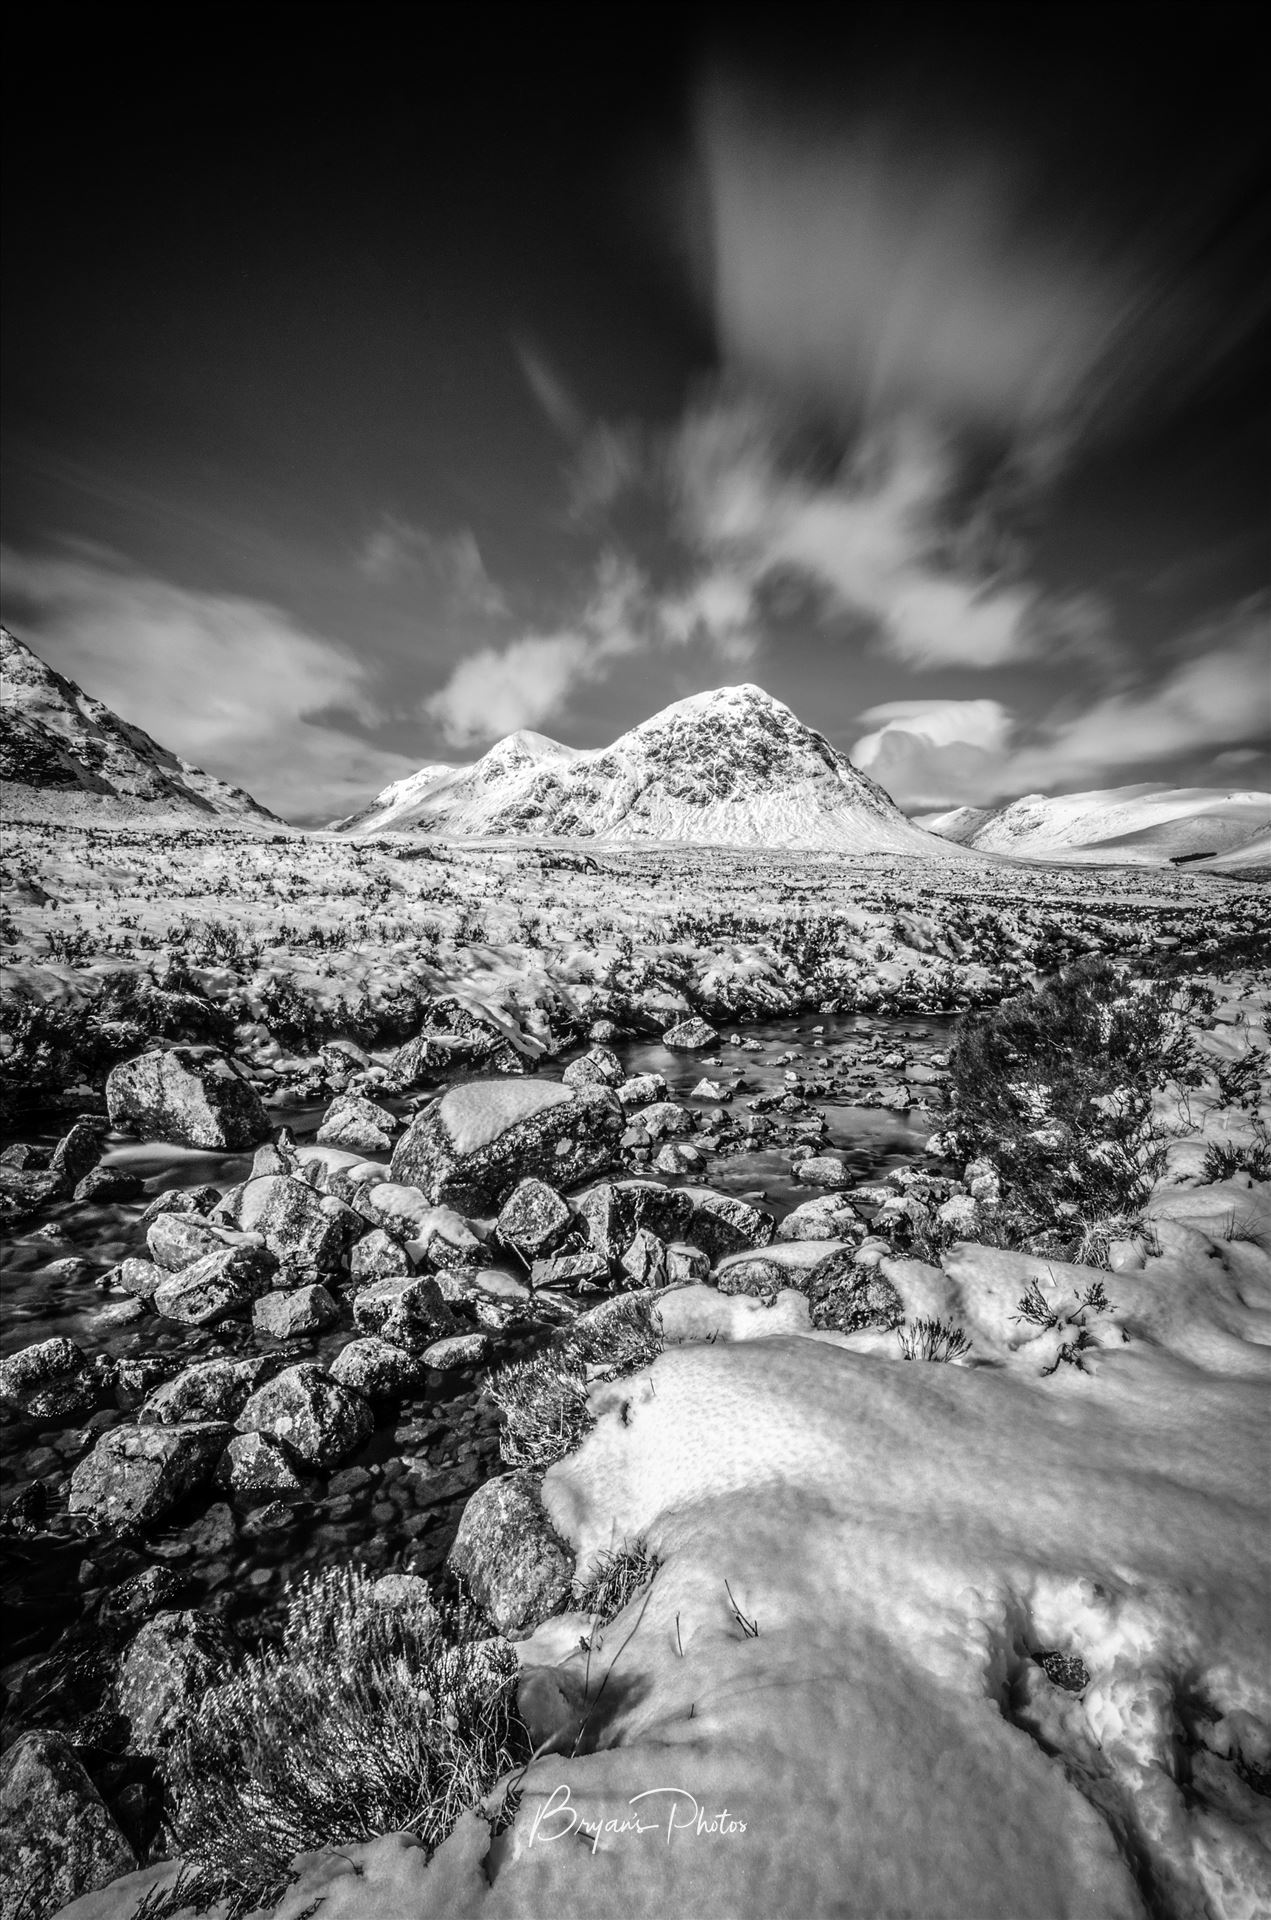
{"type": "Point", "coordinates": [1056, 1086]}
{"type": "Point", "coordinates": [364, 1720]}
{"type": "Point", "coordinates": [543, 1400]}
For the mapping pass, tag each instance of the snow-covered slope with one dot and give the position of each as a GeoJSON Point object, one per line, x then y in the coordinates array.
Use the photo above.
{"type": "Point", "coordinates": [1146, 824]}
{"type": "Point", "coordinates": [732, 767]}
{"type": "Point", "coordinates": [59, 744]}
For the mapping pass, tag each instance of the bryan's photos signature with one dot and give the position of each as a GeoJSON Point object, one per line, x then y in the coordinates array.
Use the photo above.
{"type": "Point", "coordinates": [668, 1811]}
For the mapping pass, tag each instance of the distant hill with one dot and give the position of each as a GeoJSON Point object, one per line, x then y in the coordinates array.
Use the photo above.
{"type": "Point", "coordinates": [1147, 825]}
{"type": "Point", "coordinates": [59, 745]}
{"type": "Point", "coordinates": [731, 767]}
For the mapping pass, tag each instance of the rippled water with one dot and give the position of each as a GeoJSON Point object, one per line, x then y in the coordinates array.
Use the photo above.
{"type": "Point", "coordinates": [398, 1501]}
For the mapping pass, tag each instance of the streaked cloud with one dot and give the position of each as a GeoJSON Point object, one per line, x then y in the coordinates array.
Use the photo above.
{"type": "Point", "coordinates": [395, 551]}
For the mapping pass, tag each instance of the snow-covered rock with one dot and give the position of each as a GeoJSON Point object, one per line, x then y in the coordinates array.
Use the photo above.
{"type": "Point", "coordinates": [470, 1147]}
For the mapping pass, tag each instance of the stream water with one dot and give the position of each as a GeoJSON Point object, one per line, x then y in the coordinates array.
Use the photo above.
{"type": "Point", "coordinates": [395, 1504]}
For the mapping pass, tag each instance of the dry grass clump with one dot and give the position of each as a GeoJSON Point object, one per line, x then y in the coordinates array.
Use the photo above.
{"type": "Point", "coordinates": [543, 1400]}
{"type": "Point", "coordinates": [936, 1340]}
{"type": "Point", "coordinates": [364, 1720]}
{"type": "Point", "coordinates": [617, 1576]}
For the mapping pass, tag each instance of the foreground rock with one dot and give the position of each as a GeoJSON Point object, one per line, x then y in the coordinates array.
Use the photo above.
{"type": "Point", "coordinates": [301, 1227]}
{"type": "Point", "coordinates": [313, 1415]}
{"type": "Point", "coordinates": [48, 1382]}
{"type": "Point", "coordinates": [215, 1287]}
{"type": "Point", "coordinates": [469, 1148]}
{"type": "Point", "coordinates": [507, 1554]}
{"type": "Point", "coordinates": [166, 1669]}
{"type": "Point", "coordinates": [57, 1836]}
{"type": "Point", "coordinates": [190, 1096]}
{"type": "Point", "coordinates": [134, 1474]}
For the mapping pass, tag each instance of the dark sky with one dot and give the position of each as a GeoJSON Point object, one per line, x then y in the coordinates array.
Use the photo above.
{"type": "Point", "coordinates": [378, 380]}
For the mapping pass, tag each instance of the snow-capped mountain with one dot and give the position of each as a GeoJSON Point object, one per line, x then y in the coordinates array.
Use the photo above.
{"type": "Point", "coordinates": [1146, 825]}
{"type": "Point", "coordinates": [730, 767]}
{"type": "Point", "coordinates": [58, 741]}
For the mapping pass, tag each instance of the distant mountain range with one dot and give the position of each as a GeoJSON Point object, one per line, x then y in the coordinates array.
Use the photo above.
{"type": "Point", "coordinates": [66, 747]}
{"type": "Point", "coordinates": [1206, 827]}
{"type": "Point", "coordinates": [733, 767]}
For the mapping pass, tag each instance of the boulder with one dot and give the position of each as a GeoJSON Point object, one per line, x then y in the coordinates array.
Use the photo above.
{"type": "Point", "coordinates": [586, 1269]}
{"type": "Point", "coordinates": [534, 1219]}
{"type": "Point", "coordinates": [408, 1311]}
{"type": "Point", "coordinates": [197, 1200]}
{"type": "Point", "coordinates": [215, 1287]}
{"type": "Point", "coordinates": [141, 1278]}
{"type": "Point", "coordinates": [58, 1839]}
{"type": "Point", "coordinates": [316, 1418]}
{"type": "Point", "coordinates": [165, 1670]}
{"type": "Point", "coordinates": [24, 1191]}
{"type": "Point", "coordinates": [377, 1369]}
{"type": "Point", "coordinates": [188, 1095]}
{"type": "Point", "coordinates": [49, 1382]}
{"type": "Point", "coordinates": [665, 1118]}
{"type": "Point", "coordinates": [256, 1466]}
{"type": "Point", "coordinates": [600, 1067]}
{"type": "Point", "coordinates": [612, 1213]}
{"type": "Point", "coordinates": [829, 1217]}
{"type": "Point", "coordinates": [642, 1089]}
{"type": "Point", "coordinates": [108, 1186]}
{"type": "Point", "coordinates": [457, 1350]}
{"type": "Point", "coordinates": [359, 1124]}
{"type": "Point", "coordinates": [685, 1266]}
{"type": "Point", "coordinates": [469, 1148]}
{"type": "Point", "coordinates": [845, 1296]}
{"type": "Point", "coordinates": [177, 1240]}
{"type": "Point", "coordinates": [300, 1226]}
{"type": "Point", "coordinates": [134, 1474]}
{"type": "Point", "coordinates": [720, 1225]}
{"type": "Point", "coordinates": [823, 1170]}
{"type": "Point", "coordinates": [209, 1390]}
{"type": "Point", "coordinates": [676, 1156]}
{"type": "Point", "coordinates": [443, 1238]}
{"type": "Point", "coordinates": [77, 1152]}
{"type": "Point", "coordinates": [644, 1262]}
{"type": "Point", "coordinates": [378, 1256]}
{"type": "Point", "coordinates": [275, 1156]}
{"type": "Point", "coordinates": [508, 1555]}
{"type": "Point", "coordinates": [292, 1311]}
{"type": "Point", "coordinates": [962, 1215]}
{"type": "Point", "coordinates": [691, 1035]}
{"type": "Point", "coordinates": [420, 1060]}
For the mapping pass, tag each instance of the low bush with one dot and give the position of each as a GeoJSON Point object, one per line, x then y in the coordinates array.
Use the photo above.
{"type": "Point", "coordinates": [937, 1340]}
{"type": "Point", "coordinates": [363, 1721]}
{"type": "Point", "coordinates": [617, 1576]}
{"type": "Point", "coordinates": [1056, 1086]}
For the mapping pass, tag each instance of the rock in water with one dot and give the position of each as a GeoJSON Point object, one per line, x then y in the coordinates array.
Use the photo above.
{"type": "Point", "coordinates": [49, 1381]}
{"type": "Point", "coordinates": [215, 1287]}
{"type": "Point", "coordinates": [358, 1124]}
{"type": "Point", "coordinates": [508, 1555]}
{"type": "Point", "coordinates": [378, 1369]}
{"type": "Point", "coordinates": [469, 1148]}
{"type": "Point", "coordinates": [256, 1466]}
{"type": "Point", "coordinates": [134, 1474]}
{"type": "Point", "coordinates": [319, 1420]}
{"type": "Point", "coordinates": [57, 1837]}
{"type": "Point", "coordinates": [295, 1311]}
{"type": "Point", "coordinates": [209, 1390]}
{"type": "Point", "coordinates": [409, 1311]}
{"type": "Point", "coordinates": [690, 1035]}
{"type": "Point", "coordinates": [190, 1096]}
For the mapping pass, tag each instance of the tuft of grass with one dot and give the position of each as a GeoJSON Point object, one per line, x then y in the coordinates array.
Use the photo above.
{"type": "Point", "coordinates": [617, 1576]}
{"type": "Point", "coordinates": [1222, 1162]}
{"type": "Point", "coordinates": [543, 1400]}
{"type": "Point", "coordinates": [932, 1340]}
{"type": "Point", "coordinates": [364, 1720]}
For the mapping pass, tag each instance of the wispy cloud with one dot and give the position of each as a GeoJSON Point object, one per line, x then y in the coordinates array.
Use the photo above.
{"type": "Point", "coordinates": [1213, 702]}
{"type": "Point", "coordinates": [550, 389]}
{"type": "Point", "coordinates": [395, 551]}
{"type": "Point", "coordinates": [230, 683]}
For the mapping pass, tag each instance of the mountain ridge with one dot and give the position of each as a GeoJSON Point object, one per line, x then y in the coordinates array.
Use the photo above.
{"type": "Point", "coordinates": [732, 766]}
{"type": "Point", "coordinates": [66, 748]}
{"type": "Point", "coordinates": [1143, 825]}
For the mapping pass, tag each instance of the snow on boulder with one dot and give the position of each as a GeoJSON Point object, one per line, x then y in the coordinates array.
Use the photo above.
{"type": "Point", "coordinates": [314, 1417]}
{"type": "Point", "coordinates": [190, 1096]}
{"type": "Point", "coordinates": [134, 1474]}
{"type": "Point", "coordinates": [58, 1839]}
{"type": "Point", "coordinates": [48, 1382]}
{"type": "Point", "coordinates": [471, 1146]}
{"type": "Point", "coordinates": [508, 1556]}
